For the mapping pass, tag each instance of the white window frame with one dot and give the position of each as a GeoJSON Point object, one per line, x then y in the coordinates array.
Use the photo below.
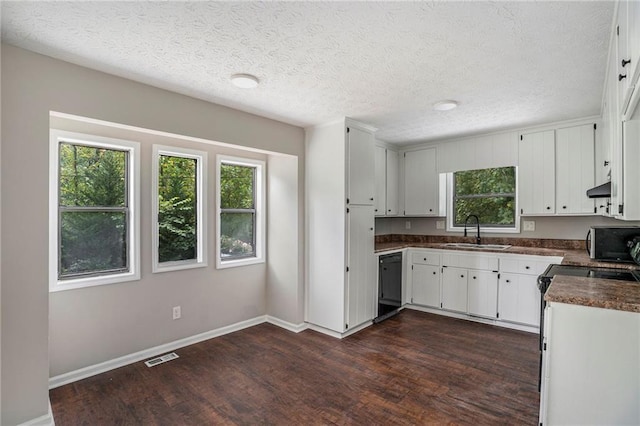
{"type": "Point", "coordinates": [133, 243]}
{"type": "Point", "coordinates": [471, 228]}
{"type": "Point", "coordinates": [201, 208]}
{"type": "Point", "coordinates": [260, 207]}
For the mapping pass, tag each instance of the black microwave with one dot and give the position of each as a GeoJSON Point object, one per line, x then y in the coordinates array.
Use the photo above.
{"type": "Point", "coordinates": [610, 243]}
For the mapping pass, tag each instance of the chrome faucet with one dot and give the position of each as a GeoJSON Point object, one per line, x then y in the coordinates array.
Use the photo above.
{"type": "Point", "coordinates": [477, 225]}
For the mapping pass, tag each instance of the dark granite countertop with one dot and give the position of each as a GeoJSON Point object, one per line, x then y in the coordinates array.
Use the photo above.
{"type": "Point", "coordinates": [534, 251]}
{"type": "Point", "coordinates": [571, 251]}
{"type": "Point", "coordinates": [595, 292]}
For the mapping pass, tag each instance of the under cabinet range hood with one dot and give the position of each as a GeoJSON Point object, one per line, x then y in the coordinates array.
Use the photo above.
{"type": "Point", "coordinates": [600, 191]}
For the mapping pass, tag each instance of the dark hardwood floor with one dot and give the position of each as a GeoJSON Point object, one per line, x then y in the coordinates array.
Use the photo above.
{"type": "Point", "coordinates": [415, 368]}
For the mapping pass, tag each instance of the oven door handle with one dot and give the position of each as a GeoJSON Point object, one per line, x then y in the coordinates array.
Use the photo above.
{"type": "Point", "coordinates": [587, 242]}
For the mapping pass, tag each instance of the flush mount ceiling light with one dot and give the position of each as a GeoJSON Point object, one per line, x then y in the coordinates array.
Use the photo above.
{"type": "Point", "coordinates": [445, 105]}
{"type": "Point", "coordinates": [244, 81]}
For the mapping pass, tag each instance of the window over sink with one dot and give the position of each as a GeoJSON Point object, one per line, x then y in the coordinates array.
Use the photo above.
{"type": "Point", "coordinates": [490, 194]}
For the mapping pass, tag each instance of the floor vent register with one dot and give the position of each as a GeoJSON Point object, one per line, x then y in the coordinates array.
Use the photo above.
{"type": "Point", "coordinates": [161, 359]}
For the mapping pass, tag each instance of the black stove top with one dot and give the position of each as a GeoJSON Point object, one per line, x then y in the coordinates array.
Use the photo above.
{"type": "Point", "coordinates": [589, 272]}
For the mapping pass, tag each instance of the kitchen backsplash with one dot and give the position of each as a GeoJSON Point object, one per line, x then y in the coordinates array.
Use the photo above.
{"type": "Point", "coordinates": [550, 227]}
{"type": "Point", "coordinates": [522, 242]}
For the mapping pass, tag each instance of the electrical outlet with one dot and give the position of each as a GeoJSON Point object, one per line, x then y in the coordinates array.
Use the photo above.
{"type": "Point", "coordinates": [528, 225]}
{"type": "Point", "coordinates": [439, 224]}
{"type": "Point", "coordinates": [176, 312]}
{"type": "Point", "coordinates": [407, 224]}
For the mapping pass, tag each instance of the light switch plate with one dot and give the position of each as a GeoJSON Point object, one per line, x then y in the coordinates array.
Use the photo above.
{"type": "Point", "coordinates": [439, 224]}
{"type": "Point", "coordinates": [407, 224]}
{"type": "Point", "coordinates": [528, 225]}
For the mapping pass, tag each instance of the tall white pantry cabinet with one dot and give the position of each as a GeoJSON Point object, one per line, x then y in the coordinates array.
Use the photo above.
{"type": "Point", "coordinates": [341, 275]}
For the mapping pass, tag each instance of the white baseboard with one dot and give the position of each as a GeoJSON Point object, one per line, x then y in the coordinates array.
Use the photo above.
{"type": "Point", "coordinates": [324, 331]}
{"type": "Point", "coordinates": [102, 367]}
{"type": "Point", "coordinates": [498, 323]}
{"type": "Point", "coordinates": [296, 328]}
{"type": "Point", "coordinates": [336, 334]}
{"type": "Point", "coordinates": [45, 420]}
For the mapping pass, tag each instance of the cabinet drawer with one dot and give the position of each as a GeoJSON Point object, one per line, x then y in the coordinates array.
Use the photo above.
{"type": "Point", "coordinates": [524, 266]}
{"type": "Point", "coordinates": [426, 258]}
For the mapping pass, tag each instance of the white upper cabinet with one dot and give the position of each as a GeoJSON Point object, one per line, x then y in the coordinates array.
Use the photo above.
{"type": "Point", "coordinates": [633, 44]}
{"type": "Point", "coordinates": [392, 183]}
{"type": "Point", "coordinates": [536, 175]}
{"type": "Point", "coordinates": [623, 57]}
{"type": "Point", "coordinates": [386, 182]}
{"type": "Point", "coordinates": [421, 183]}
{"type": "Point", "coordinates": [575, 173]}
{"type": "Point", "coordinates": [380, 203]}
{"type": "Point", "coordinates": [627, 52]}
{"type": "Point", "coordinates": [360, 157]}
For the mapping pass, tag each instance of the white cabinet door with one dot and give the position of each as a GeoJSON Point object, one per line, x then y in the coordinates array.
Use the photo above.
{"type": "Point", "coordinates": [380, 167]}
{"type": "Point", "coordinates": [519, 299]}
{"type": "Point", "coordinates": [591, 366]}
{"type": "Point", "coordinates": [624, 59]}
{"type": "Point", "coordinates": [508, 297]}
{"type": "Point", "coordinates": [360, 162]}
{"type": "Point", "coordinates": [454, 289]}
{"type": "Point", "coordinates": [633, 48]}
{"type": "Point", "coordinates": [361, 278]}
{"type": "Point", "coordinates": [536, 173]}
{"type": "Point", "coordinates": [603, 155]}
{"type": "Point", "coordinates": [631, 171]}
{"type": "Point", "coordinates": [420, 183]}
{"type": "Point", "coordinates": [575, 169]}
{"type": "Point", "coordinates": [483, 293]}
{"type": "Point", "coordinates": [426, 285]}
{"type": "Point", "coordinates": [392, 183]}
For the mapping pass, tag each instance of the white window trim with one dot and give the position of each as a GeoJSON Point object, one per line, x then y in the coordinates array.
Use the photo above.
{"type": "Point", "coordinates": [472, 227]}
{"type": "Point", "coordinates": [260, 211]}
{"type": "Point", "coordinates": [133, 243]}
{"type": "Point", "coordinates": [201, 208]}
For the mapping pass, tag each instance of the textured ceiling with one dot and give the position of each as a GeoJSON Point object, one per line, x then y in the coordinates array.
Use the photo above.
{"type": "Point", "coordinates": [509, 64]}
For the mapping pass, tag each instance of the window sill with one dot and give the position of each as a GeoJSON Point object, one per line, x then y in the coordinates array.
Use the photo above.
{"type": "Point", "coordinates": [176, 266]}
{"type": "Point", "coordinates": [224, 264]}
{"type": "Point", "coordinates": [63, 285]}
{"type": "Point", "coordinates": [471, 231]}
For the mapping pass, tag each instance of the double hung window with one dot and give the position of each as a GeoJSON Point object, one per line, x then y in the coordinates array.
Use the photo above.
{"type": "Point", "coordinates": [240, 224]}
{"type": "Point", "coordinates": [94, 211]}
{"type": "Point", "coordinates": [179, 205]}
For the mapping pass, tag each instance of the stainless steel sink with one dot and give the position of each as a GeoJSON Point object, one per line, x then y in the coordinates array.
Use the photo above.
{"type": "Point", "coordinates": [473, 246]}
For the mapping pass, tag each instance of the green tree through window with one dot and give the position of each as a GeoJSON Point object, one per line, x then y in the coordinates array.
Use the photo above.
{"type": "Point", "coordinates": [237, 211]}
{"type": "Point", "coordinates": [177, 209]}
{"type": "Point", "coordinates": [488, 193]}
{"type": "Point", "coordinates": [93, 210]}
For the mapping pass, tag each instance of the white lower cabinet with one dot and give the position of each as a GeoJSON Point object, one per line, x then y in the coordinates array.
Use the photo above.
{"type": "Point", "coordinates": [483, 293]}
{"type": "Point", "coordinates": [470, 283]}
{"type": "Point", "coordinates": [424, 276]}
{"type": "Point", "coordinates": [501, 288]}
{"type": "Point", "coordinates": [518, 294]}
{"type": "Point", "coordinates": [454, 289]}
{"type": "Point", "coordinates": [426, 285]}
{"type": "Point", "coordinates": [591, 366]}
{"type": "Point", "coordinates": [519, 299]}
{"type": "Point", "coordinates": [361, 277]}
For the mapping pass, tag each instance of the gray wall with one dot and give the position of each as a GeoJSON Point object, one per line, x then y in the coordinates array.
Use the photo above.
{"type": "Point", "coordinates": [570, 228]}
{"type": "Point", "coordinates": [96, 324]}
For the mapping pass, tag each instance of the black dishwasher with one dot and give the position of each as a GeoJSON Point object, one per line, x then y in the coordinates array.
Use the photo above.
{"type": "Point", "coordinates": [389, 285]}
